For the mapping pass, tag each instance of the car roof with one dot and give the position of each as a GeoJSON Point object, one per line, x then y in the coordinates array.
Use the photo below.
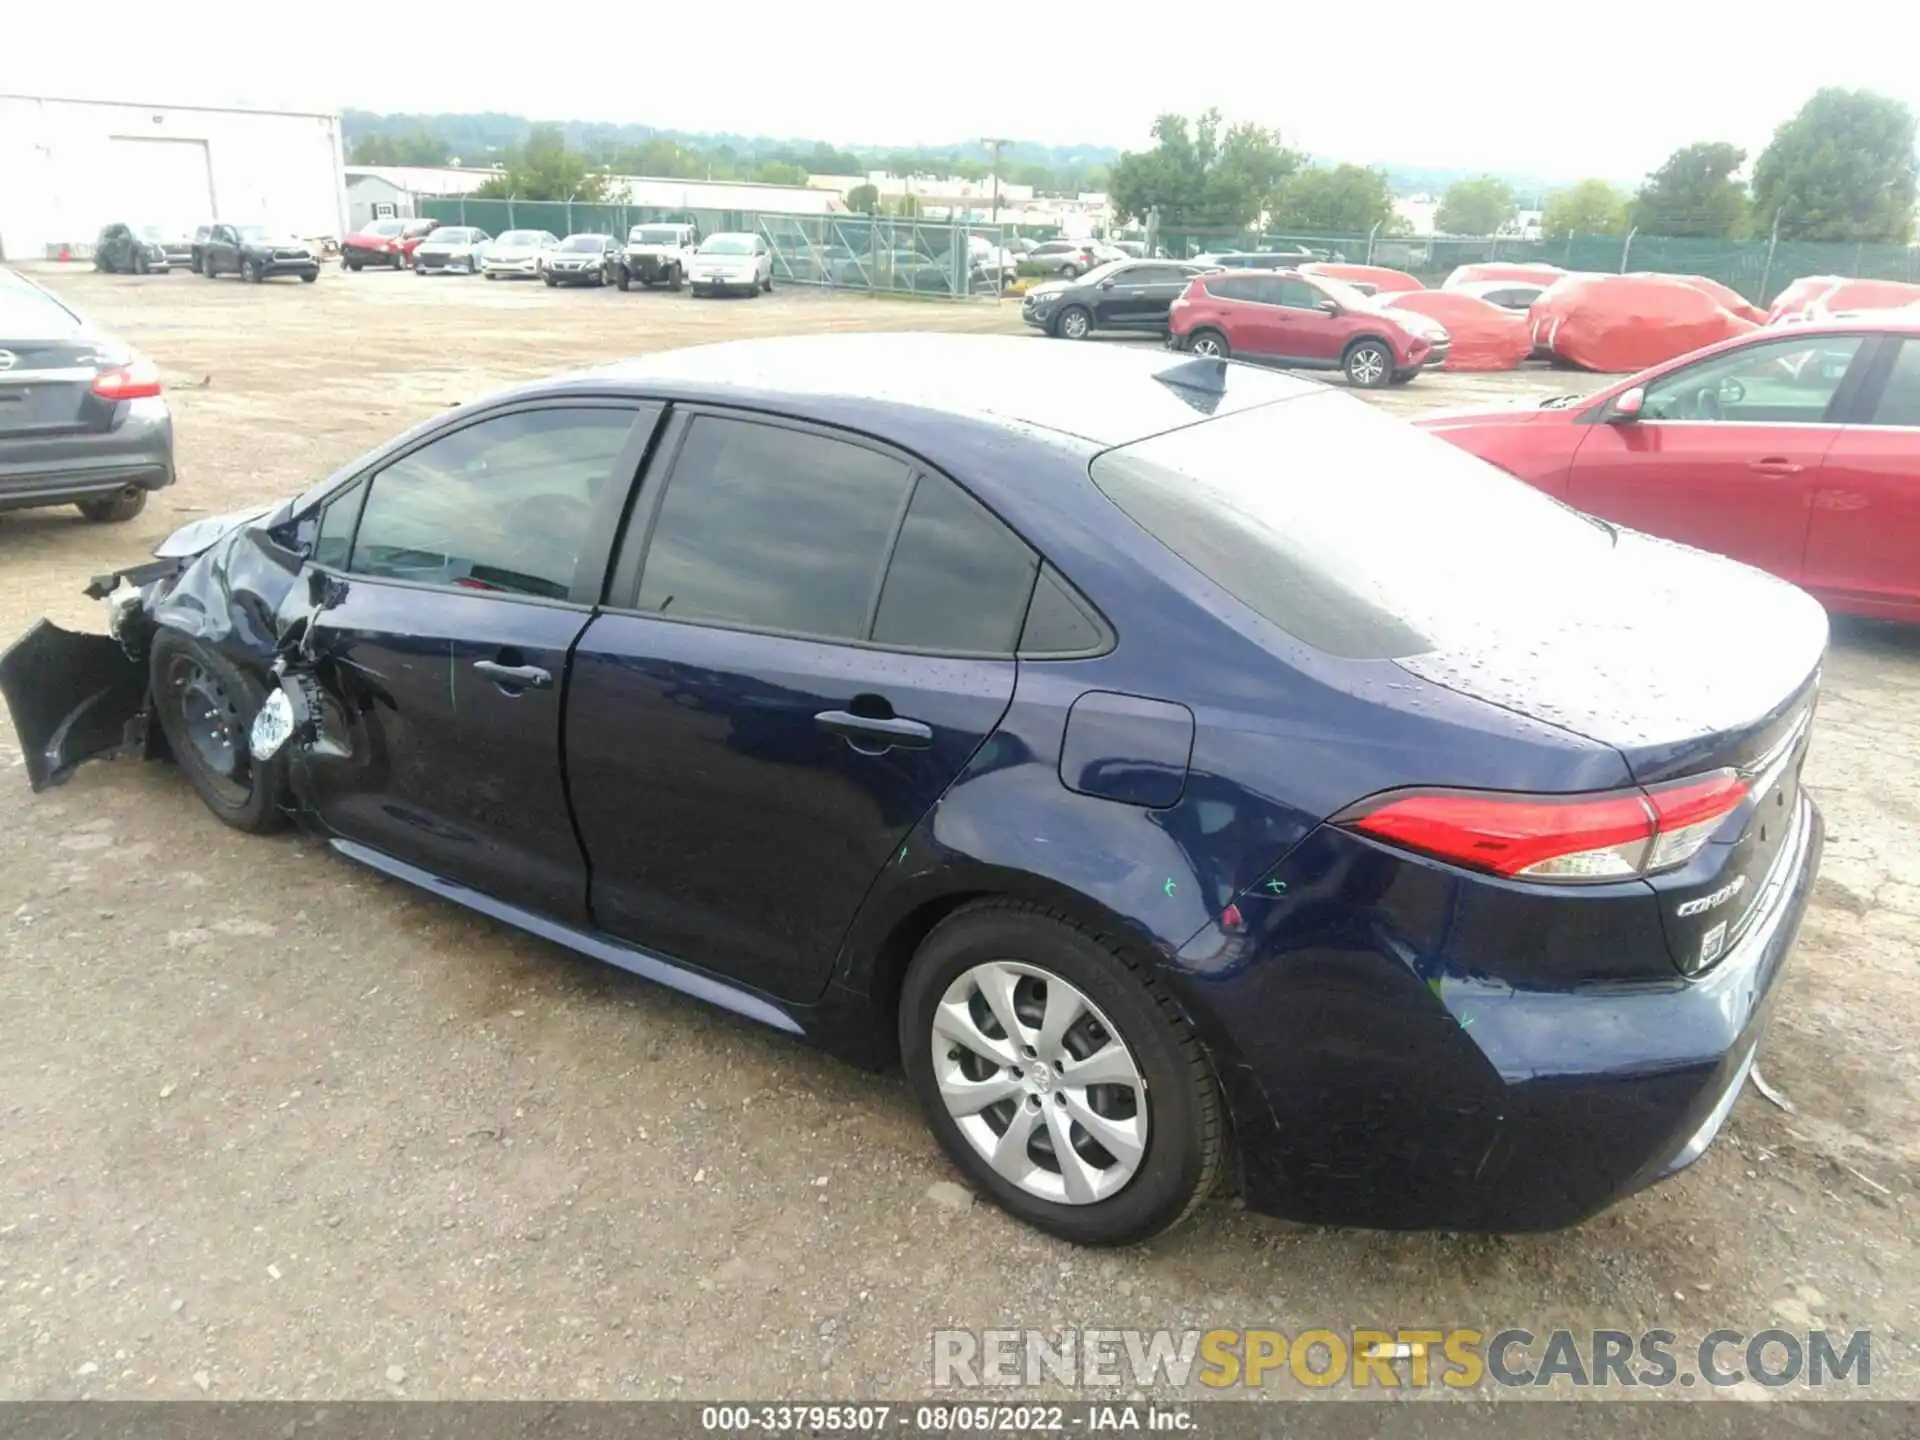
{"type": "Point", "coordinates": [1103, 395]}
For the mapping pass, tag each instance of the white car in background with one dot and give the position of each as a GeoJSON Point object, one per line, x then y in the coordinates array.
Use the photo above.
{"type": "Point", "coordinates": [518, 252]}
{"type": "Point", "coordinates": [451, 250]}
{"type": "Point", "coordinates": [731, 260]}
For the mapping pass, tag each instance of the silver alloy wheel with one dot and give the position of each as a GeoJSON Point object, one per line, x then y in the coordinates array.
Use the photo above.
{"type": "Point", "coordinates": [1206, 345]}
{"type": "Point", "coordinates": [1073, 324]}
{"type": "Point", "coordinates": [1040, 1082]}
{"type": "Point", "coordinates": [1367, 365]}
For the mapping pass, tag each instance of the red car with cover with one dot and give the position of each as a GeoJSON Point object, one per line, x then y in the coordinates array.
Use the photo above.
{"type": "Point", "coordinates": [1796, 451]}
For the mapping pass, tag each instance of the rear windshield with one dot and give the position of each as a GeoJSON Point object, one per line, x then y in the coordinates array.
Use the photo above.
{"type": "Point", "coordinates": [584, 242]}
{"type": "Point", "coordinates": [27, 313]}
{"type": "Point", "coordinates": [1350, 530]}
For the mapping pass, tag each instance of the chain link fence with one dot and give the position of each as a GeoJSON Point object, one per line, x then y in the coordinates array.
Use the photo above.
{"type": "Point", "coordinates": [1759, 268]}
{"type": "Point", "coordinates": [848, 252]}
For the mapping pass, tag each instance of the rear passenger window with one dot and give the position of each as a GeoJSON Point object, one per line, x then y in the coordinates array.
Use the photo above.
{"type": "Point", "coordinates": [1060, 622]}
{"type": "Point", "coordinates": [1900, 401]}
{"type": "Point", "coordinates": [773, 529]}
{"type": "Point", "coordinates": [959, 579]}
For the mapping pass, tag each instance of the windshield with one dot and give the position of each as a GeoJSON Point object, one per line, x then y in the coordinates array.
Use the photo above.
{"type": "Point", "coordinates": [386, 227]}
{"type": "Point", "coordinates": [728, 245]}
{"type": "Point", "coordinates": [519, 237]}
{"type": "Point", "coordinates": [654, 235]}
{"type": "Point", "coordinates": [456, 236]}
{"type": "Point", "coordinates": [1353, 531]}
{"type": "Point", "coordinates": [154, 232]}
{"type": "Point", "coordinates": [584, 242]}
{"type": "Point", "coordinates": [252, 232]}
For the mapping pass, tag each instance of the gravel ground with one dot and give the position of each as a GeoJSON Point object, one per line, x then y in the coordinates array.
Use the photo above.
{"type": "Point", "coordinates": [272, 1126]}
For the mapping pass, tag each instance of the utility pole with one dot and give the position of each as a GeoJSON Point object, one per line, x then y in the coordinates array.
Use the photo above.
{"type": "Point", "coordinates": [994, 144]}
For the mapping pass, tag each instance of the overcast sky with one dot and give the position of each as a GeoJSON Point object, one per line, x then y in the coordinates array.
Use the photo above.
{"type": "Point", "coordinates": [1591, 89]}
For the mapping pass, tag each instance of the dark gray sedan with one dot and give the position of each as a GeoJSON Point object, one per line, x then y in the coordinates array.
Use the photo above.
{"type": "Point", "coordinates": [82, 421]}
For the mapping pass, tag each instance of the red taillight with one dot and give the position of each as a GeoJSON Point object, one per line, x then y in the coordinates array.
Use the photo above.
{"type": "Point", "coordinates": [1615, 836]}
{"type": "Point", "coordinates": [136, 380]}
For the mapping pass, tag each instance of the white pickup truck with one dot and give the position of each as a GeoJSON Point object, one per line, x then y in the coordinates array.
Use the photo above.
{"type": "Point", "coordinates": [657, 253]}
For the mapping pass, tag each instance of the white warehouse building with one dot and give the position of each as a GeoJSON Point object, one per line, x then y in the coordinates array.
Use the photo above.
{"type": "Point", "coordinates": [69, 166]}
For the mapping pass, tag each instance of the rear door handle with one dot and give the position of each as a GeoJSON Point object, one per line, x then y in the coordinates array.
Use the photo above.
{"type": "Point", "coordinates": [1774, 465]}
{"type": "Point", "coordinates": [864, 731]}
{"type": "Point", "coordinates": [515, 678]}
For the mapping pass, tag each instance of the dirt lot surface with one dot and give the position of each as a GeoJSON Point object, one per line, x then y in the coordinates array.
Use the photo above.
{"type": "Point", "coordinates": [272, 1126]}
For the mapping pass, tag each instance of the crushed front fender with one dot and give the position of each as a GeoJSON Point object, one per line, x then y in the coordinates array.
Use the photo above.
{"type": "Point", "coordinates": [72, 697]}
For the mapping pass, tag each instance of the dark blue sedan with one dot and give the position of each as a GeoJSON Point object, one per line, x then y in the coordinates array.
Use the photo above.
{"type": "Point", "coordinates": [1181, 769]}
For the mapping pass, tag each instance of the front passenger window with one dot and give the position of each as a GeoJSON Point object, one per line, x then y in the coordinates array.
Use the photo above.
{"type": "Point", "coordinates": [503, 505]}
{"type": "Point", "coordinates": [1786, 381]}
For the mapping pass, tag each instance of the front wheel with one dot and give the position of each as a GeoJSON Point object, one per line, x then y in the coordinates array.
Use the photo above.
{"type": "Point", "coordinates": [674, 278]}
{"type": "Point", "coordinates": [399, 262]}
{"type": "Point", "coordinates": [1368, 365]}
{"type": "Point", "coordinates": [139, 264]}
{"type": "Point", "coordinates": [766, 285]}
{"type": "Point", "coordinates": [115, 508]}
{"type": "Point", "coordinates": [206, 266]}
{"type": "Point", "coordinates": [1074, 323]}
{"type": "Point", "coordinates": [1209, 342]}
{"type": "Point", "coordinates": [625, 279]}
{"type": "Point", "coordinates": [551, 282]}
{"type": "Point", "coordinates": [307, 277]}
{"type": "Point", "coordinates": [1058, 1075]}
{"type": "Point", "coordinates": [206, 706]}
{"type": "Point", "coordinates": [354, 265]}
{"type": "Point", "coordinates": [1069, 272]}
{"type": "Point", "coordinates": [250, 272]}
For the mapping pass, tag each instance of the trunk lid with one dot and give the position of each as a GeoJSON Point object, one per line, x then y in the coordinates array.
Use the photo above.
{"type": "Point", "coordinates": [1686, 664]}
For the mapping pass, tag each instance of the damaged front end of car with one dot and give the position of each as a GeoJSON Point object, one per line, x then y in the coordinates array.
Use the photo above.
{"type": "Point", "coordinates": [234, 584]}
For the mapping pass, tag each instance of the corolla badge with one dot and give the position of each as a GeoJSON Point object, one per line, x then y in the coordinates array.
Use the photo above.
{"type": "Point", "coordinates": [1714, 901]}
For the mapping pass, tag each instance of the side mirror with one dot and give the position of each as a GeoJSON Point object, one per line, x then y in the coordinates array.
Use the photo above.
{"type": "Point", "coordinates": [1328, 307]}
{"type": "Point", "coordinates": [1627, 405]}
{"type": "Point", "coordinates": [1106, 284]}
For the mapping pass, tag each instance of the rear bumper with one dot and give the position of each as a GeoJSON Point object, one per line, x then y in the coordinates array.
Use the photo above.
{"type": "Point", "coordinates": [1365, 1092]}
{"type": "Point", "coordinates": [137, 451]}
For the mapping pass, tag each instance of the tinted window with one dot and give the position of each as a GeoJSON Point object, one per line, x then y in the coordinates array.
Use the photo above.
{"type": "Point", "coordinates": [334, 541]}
{"type": "Point", "coordinates": [959, 579]}
{"type": "Point", "coordinates": [29, 313]}
{"type": "Point", "coordinates": [1153, 275]}
{"type": "Point", "coordinates": [504, 505]}
{"type": "Point", "coordinates": [1791, 380]}
{"type": "Point", "coordinates": [1353, 531]}
{"type": "Point", "coordinates": [1059, 622]}
{"type": "Point", "coordinates": [1294, 294]}
{"type": "Point", "coordinates": [774, 529]}
{"type": "Point", "coordinates": [1234, 287]}
{"type": "Point", "coordinates": [1900, 401]}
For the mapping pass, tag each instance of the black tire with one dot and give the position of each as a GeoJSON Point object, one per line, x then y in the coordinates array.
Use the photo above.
{"type": "Point", "coordinates": [1186, 1132]}
{"type": "Point", "coordinates": [1199, 341]}
{"type": "Point", "coordinates": [307, 277]}
{"type": "Point", "coordinates": [246, 795]}
{"type": "Point", "coordinates": [139, 264]}
{"type": "Point", "coordinates": [112, 509]}
{"type": "Point", "coordinates": [1368, 364]}
{"type": "Point", "coordinates": [1069, 272]}
{"type": "Point", "coordinates": [551, 282]}
{"type": "Point", "coordinates": [674, 278]}
{"type": "Point", "coordinates": [399, 261]}
{"type": "Point", "coordinates": [766, 285]}
{"type": "Point", "coordinates": [249, 271]}
{"type": "Point", "coordinates": [1075, 322]}
{"type": "Point", "coordinates": [625, 279]}
{"type": "Point", "coordinates": [490, 275]}
{"type": "Point", "coordinates": [354, 265]}
{"type": "Point", "coordinates": [206, 266]}
{"type": "Point", "coordinates": [699, 292]}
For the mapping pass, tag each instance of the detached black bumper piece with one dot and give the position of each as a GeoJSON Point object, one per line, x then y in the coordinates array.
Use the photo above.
{"type": "Point", "coordinates": [72, 697]}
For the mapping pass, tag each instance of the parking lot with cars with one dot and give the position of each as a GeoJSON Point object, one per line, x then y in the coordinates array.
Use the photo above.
{"type": "Point", "coordinates": [274, 1126]}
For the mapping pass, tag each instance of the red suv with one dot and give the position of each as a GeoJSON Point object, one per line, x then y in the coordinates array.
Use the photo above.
{"type": "Point", "coordinates": [389, 242]}
{"type": "Point", "coordinates": [1311, 323]}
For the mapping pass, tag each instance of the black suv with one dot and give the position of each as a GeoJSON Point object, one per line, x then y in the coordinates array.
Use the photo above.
{"type": "Point", "coordinates": [253, 252]}
{"type": "Point", "coordinates": [122, 250]}
{"type": "Point", "coordinates": [1124, 295]}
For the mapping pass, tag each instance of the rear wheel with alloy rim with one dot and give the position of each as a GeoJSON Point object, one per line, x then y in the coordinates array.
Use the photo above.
{"type": "Point", "coordinates": [1074, 323]}
{"type": "Point", "coordinates": [1209, 342]}
{"type": "Point", "coordinates": [1058, 1076]}
{"type": "Point", "coordinates": [1369, 365]}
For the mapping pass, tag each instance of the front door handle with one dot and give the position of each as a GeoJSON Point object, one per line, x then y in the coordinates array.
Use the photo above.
{"type": "Point", "coordinates": [872, 734]}
{"type": "Point", "coordinates": [1774, 465]}
{"type": "Point", "coordinates": [515, 678]}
